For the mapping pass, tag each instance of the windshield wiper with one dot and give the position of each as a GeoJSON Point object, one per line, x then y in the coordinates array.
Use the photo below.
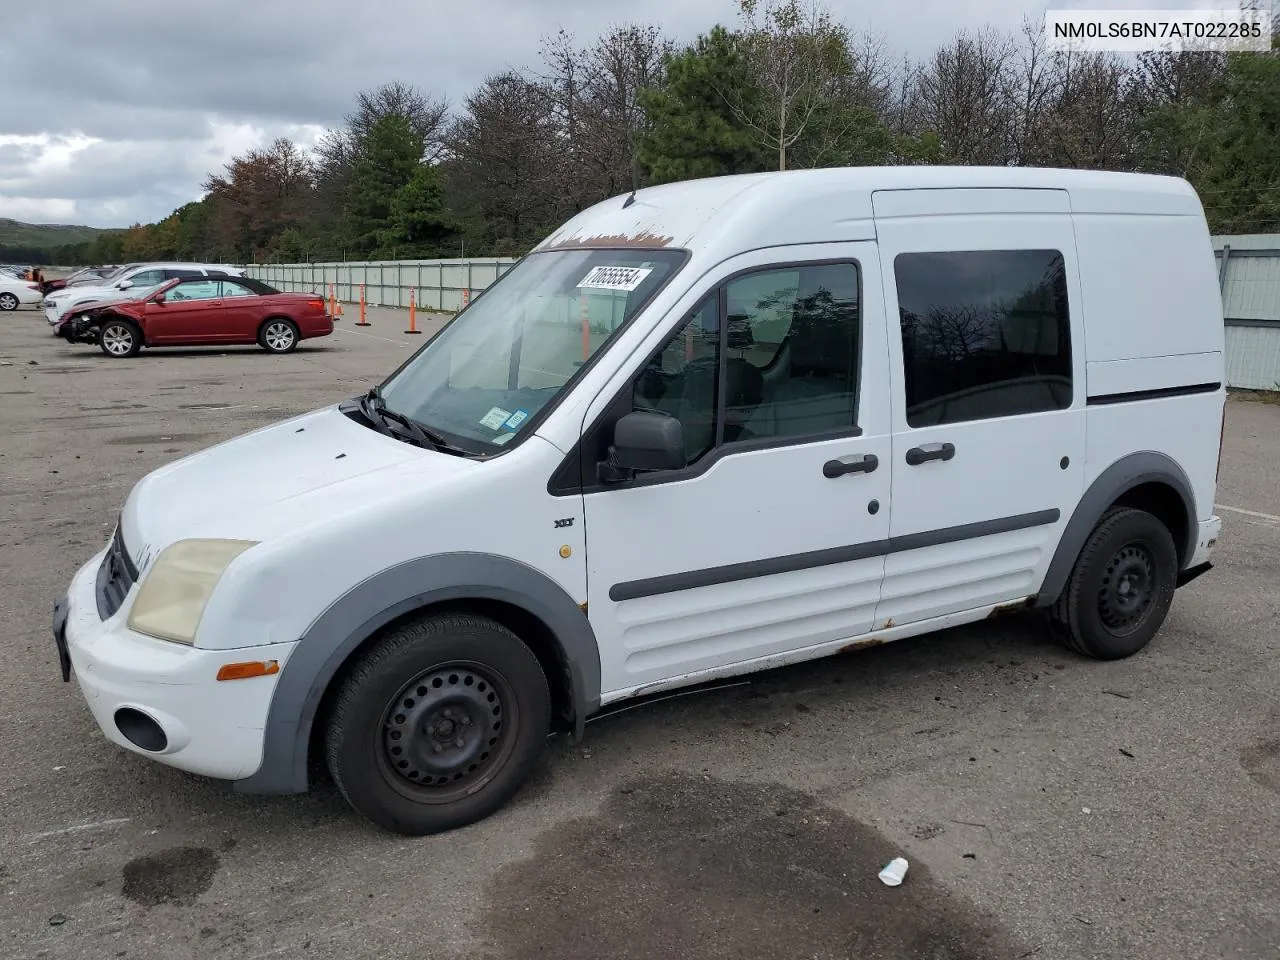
{"type": "Point", "coordinates": [371, 405]}
{"type": "Point", "coordinates": [376, 410]}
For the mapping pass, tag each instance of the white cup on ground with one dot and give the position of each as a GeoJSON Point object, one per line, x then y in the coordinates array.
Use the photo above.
{"type": "Point", "coordinates": [893, 874]}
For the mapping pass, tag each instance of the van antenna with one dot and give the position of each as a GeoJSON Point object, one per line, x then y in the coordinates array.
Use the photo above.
{"type": "Point", "coordinates": [635, 175]}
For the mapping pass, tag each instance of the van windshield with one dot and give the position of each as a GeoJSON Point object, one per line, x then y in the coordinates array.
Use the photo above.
{"type": "Point", "coordinates": [483, 378]}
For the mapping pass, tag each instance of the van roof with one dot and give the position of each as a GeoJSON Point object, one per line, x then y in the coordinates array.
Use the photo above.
{"type": "Point", "coordinates": [799, 206]}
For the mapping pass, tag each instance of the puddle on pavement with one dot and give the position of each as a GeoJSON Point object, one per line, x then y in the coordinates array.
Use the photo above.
{"type": "Point", "coordinates": [171, 876]}
{"type": "Point", "coordinates": [678, 866]}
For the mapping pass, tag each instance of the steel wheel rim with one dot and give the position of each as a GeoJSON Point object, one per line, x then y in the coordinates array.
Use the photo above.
{"type": "Point", "coordinates": [1128, 588]}
{"type": "Point", "coordinates": [8, 302]}
{"type": "Point", "coordinates": [279, 336]}
{"type": "Point", "coordinates": [447, 732]}
{"type": "Point", "coordinates": [117, 340]}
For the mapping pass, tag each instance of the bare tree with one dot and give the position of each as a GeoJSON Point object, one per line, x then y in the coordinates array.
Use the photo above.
{"type": "Point", "coordinates": [1089, 124]}
{"type": "Point", "coordinates": [959, 95]}
{"type": "Point", "coordinates": [1029, 85]}
{"type": "Point", "coordinates": [502, 160]}
{"type": "Point", "coordinates": [798, 61]}
{"type": "Point", "coordinates": [870, 78]}
{"type": "Point", "coordinates": [428, 118]}
{"type": "Point", "coordinates": [427, 115]}
{"type": "Point", "coordinates": [1173, 98]}
{"type": "Point", "coordinates": [594, 93]}
{"type": "Point", "coordinates": [561, 81]}
{"type": "Point", "coordinates": [622, 63]}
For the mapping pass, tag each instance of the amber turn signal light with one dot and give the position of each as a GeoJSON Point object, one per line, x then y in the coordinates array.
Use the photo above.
{"type": "Point", "coordinates": [252, 668]}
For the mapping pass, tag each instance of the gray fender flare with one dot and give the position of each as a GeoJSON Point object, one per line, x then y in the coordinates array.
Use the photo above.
{"type": "Point", "coordinates": [371, 605]}
{"type": "Point", "coordinates": [1119, 478]}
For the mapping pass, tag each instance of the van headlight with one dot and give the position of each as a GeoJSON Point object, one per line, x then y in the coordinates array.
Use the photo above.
{"type": "Point", "coordinates": [174, 594]}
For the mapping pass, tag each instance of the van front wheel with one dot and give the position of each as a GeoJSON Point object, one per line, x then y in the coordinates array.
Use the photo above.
{"type": "Point", "coordinates": [1121, 588]}
{"type": "Point", "coordinates": [438, 725]}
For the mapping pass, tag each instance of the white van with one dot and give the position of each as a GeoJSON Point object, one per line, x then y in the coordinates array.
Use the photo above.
{"type": "Point", "coordinates": [703, 430]}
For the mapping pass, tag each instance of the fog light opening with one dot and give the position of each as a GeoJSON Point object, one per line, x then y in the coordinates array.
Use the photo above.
{"type": "Point", "coordinates": [140, 730]}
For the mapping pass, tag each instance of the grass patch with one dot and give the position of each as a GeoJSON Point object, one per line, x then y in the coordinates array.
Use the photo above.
{"type": "Point", "coordinates": [1255, 396]}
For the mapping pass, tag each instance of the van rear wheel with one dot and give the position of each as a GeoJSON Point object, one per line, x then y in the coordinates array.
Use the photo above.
{"type": "Point", "coordinates": [438, 725]}
{"type": "Point", "coordinates": [1121, 588]}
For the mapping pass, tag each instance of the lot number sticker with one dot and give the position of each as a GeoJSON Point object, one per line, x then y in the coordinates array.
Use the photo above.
{"type": "Point", "coordinates": [615, 278]}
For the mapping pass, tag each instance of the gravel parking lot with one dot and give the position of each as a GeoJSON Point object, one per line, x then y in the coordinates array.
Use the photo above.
{"type": "Point", "coordinates": [1050, 806]}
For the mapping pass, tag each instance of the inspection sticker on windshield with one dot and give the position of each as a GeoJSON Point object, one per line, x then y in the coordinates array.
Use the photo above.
{"type": "Point", "coordinates": [495, 418]}
{"type": "Point", "coordinates": [615, 278]}
{"type": "Point", "coordinates": [517, 418]}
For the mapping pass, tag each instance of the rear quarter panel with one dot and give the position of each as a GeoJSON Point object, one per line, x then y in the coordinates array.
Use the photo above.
{"type": "Point", "coordinates": [307, 311]}
{"type": "Point", "coordinates": [1153, 323]}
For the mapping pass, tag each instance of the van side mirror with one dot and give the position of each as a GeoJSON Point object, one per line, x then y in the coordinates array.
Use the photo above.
{"type": "Point", "coordinates": [644, 440]}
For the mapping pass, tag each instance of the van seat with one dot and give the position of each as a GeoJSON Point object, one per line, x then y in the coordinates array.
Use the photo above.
{"type": "Point", "coordinates": [802, 406]}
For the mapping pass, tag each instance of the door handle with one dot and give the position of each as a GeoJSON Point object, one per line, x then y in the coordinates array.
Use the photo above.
{"type": "Point", "coordinates": [930, 451]}
{"type": "Point", "coordinates": [838, 468]}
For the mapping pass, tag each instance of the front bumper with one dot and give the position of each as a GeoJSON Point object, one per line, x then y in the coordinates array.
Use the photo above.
{"type": "Point", "coordinates": [76, 329]}
{"type": "Point", "coordinates": [210, 727]}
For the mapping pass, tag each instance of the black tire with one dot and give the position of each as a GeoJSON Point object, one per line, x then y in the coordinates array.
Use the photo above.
{"type": "Point", "coordinates": [278, 335]}
{"type": "Point", "coordinates": [120, 338]}
{"type": "Point", "coordinates": [438, 725]}
{"type": "Point", "coordinates": [1121, 588]}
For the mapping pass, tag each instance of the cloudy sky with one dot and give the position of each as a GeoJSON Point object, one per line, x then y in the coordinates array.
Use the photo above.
{"type": "Point", "coordinates": [115, 112]}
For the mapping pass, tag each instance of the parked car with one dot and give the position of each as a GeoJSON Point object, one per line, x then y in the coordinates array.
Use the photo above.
{"type": "Point", "coordinates": [199, 312]}
{"type": "Point", "coordinates": [117, 286]}
{"type": "Point", "coordinates": [15, 292]}
{"type": "Point", "coordinates": [82, 277]}
{"type": "Point", "coordinates": [838, 408]}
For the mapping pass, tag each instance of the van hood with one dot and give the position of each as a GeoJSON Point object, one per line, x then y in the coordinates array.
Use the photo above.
{"type": "Point", "coordinates": [272, 482]}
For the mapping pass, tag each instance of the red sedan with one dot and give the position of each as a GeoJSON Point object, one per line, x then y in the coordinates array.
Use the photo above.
{"type": "Point", "coordinates": [200, 311]}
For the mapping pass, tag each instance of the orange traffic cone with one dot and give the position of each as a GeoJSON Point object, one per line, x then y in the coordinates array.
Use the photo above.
{"type": "Point", "coordinates": [362, 322]}
{"type": "Point", "coordinates": [413, 313]}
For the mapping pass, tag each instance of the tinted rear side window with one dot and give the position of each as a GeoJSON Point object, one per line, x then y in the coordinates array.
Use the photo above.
{"type": "Point", "coordinates": [984, 334]}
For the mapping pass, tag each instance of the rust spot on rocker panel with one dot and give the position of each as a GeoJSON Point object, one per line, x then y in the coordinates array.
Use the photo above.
{"type": "Point", "coordinates": [862, 644]}
{"type": "Point", "coordinates": [1015, 607]}
{"type": "Point", "coordinates": [604, 241]}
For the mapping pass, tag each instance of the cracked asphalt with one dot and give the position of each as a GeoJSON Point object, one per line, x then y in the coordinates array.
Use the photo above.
{"type": "Point", "coordinates": [1049, 806]}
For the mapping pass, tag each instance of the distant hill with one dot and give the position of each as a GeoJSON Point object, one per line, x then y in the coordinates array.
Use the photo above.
{"type": "Point", "coordinates": [15, 233]}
